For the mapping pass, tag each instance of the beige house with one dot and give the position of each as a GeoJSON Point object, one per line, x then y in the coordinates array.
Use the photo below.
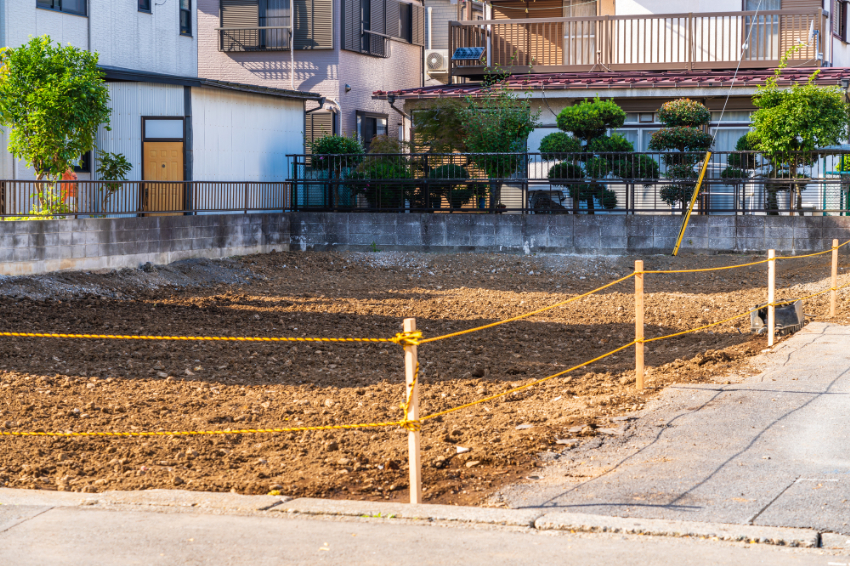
{"type": "Point", "coordinates": [342, 49]}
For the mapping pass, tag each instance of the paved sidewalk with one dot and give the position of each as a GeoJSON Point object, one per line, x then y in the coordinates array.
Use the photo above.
{"type": "Point", "coordinates": [772, 450]}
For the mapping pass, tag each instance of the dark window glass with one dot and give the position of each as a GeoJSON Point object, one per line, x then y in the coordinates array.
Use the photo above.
{"type": "Point", "coordinates": [186, 17]}
{"type": "Point", "coordinates": [144, 5]}
{"type": "Point", "coordinates": [366, 19]}
{"type": "Point", "coordinates": [369, 126]}
{"type": "Point", "coordinates": [70, 6]}
{"type": "Point", "coordinates": [405, 22]}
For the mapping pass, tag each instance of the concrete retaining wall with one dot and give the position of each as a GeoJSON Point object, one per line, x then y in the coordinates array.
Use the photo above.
{"type": "Point", "coordinates": [582, 234]}
{"type": "Point", "coordinates": [44, 246]}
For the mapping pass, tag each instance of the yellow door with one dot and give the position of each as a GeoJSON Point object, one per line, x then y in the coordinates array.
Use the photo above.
{"type": "Point", "coordinates": [163, 162]}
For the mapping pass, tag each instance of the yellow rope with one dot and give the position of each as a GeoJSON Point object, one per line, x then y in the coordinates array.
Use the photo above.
{"type": "Point", "coordinates": [526, 315]}
{"type": "Point", "coordinates": [526, 386]}
{"type": "Point", "coordinates": [708, 268]}
{"type": "Point", "coordinates": [402, 338]}
{"type": "Point", "coordinates": [209, 432]}
{"type": "Point", "coordinates": [410, 425]}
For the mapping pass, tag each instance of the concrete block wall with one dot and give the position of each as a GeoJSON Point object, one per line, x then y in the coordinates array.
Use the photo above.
{"type": "Point", "coordinates": [42, 246]}
{"type": "Point", "coordinates": [582, 234]}
{"type": "Point", "coordinates": [31, 247]}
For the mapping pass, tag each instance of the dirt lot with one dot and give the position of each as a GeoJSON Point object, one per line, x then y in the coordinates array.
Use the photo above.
{"type": "Point", "coordinates": [101, 385]}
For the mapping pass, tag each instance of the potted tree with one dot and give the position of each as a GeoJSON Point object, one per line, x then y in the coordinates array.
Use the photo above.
{"type": "Point", "coordinates": [332, 158]}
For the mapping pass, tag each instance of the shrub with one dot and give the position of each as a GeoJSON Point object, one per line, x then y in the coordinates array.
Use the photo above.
{"type": "Point", "coordinates": [682, 138]}
{"type": "Point", "coordinates": [636, 167]}
{"type": "Point", "coordinates": [566, 170]}
{"type": "Point", "coordinates": [598, 167]}
{"type": "Point", "coordinates": [734, 174]}
{"type": "Point", "coordinates": [615, 143]}
{"type": "Point", "coordinates": [336, 145]}
{"type": "Point", "coordinates": [591, 118]}
{"type": "Point", "coordinates": [381, 182]}
{"type": "Point", "coordinates": [683, 112]}
{"type": "Point", "coordinates": [554, 145]}
{"type": "Point", "coordinates": [747, 142]}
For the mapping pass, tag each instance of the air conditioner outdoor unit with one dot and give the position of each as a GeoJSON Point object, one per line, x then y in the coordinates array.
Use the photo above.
{"type": "Point", "coordinates": [436, 61]}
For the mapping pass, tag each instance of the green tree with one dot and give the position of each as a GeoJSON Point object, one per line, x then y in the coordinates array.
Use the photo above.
{"type": "Point", "coordinates": [498, 121]}
{"type": "Point", "coordinates": [684, 136]}
{"type": "Point", "coordinates": [52, 100]}
{"type": "Point", "coordinates": [791, 123]}
{"type": "Point", "coordinates": [596, 154]}
{"type": "Point", "coordinates": [112, 167]}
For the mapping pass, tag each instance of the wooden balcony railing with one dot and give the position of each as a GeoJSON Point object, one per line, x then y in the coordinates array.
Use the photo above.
{"type": "Point", "coordinates": [713, 40]}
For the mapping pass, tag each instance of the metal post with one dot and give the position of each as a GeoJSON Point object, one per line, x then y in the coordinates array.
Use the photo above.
{"type": "Point", "coordinates": [411, 361]}
{"type": "Point", "coordinates": [639, 308]}
{"type": "Point", "coordinates": [771, 297]}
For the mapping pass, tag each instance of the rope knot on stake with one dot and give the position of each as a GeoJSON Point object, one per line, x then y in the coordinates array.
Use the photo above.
{"type": "Point", "coordinates": [407, 338]}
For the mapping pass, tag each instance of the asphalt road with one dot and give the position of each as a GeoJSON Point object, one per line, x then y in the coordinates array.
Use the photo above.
{"type": "Point", "coordinates": [75, 536]}
{"type": "Point", "coordinates": [771, 450]}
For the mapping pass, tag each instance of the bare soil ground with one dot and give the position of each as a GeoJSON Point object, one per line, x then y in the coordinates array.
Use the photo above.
{"type": "Point", "coordinates": [103, 385]}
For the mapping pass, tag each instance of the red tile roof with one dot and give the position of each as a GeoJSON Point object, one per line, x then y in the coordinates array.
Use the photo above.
{"type": "Point", "coordinates": [631, 80]}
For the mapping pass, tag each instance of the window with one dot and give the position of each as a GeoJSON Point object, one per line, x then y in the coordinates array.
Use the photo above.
{"type": "Point", "coordinates": [399, 20]}
{"type": "Point", "coordinates": [319, 125]}
{"type": "Point", "coordinates": [145, 6]}
{"type": "Point", "coordinates": [839, 19]}
{"type": "Point", "coordinates": [241, 18]}
{"type": "Point", "coordinates": [370, 125]}
{"type": "Point", "coordinates": [186, 17]}
{"type": "Point", "coordinates": [71, 6]}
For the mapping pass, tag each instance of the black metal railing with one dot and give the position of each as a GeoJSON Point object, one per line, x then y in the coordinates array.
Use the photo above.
{"type": "Point", "coordinates": [271, 34]}
{"type": "Point", "coordinates": [33, 200]}
{"type": "Point", "coordinates": [581, 183]}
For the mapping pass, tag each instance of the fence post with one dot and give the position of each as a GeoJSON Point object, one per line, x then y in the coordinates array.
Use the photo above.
{"type": "Point", "coordinates": [411, 360]}
{"type": "Point", "coordinates": [833, 294]}
{"type": "Point", "coordinates": [771, 297]}
{"type": "Point", "coordinates": [639, 370]}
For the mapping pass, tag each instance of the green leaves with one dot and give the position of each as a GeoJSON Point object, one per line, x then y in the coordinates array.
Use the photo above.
{"type": "Point", "coordinates": [52, 99]}
{"type": "Point", "coordinates": [684, 112]}
{"type": "Point", "coordinates": [591, 118]}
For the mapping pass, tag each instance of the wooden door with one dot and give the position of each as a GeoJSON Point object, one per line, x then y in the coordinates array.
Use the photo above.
{"type": "Point", "coordinates": [163, 162]}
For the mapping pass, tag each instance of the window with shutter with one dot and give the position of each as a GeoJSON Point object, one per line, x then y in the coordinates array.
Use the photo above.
{"type": "Point", "coordinates": [393, 18]}
{"type": "Point", "coordinates": [319, 124]}
{"type": "Point", "coordinates": [351, 34]}
{"type": "Point", "coordinates": [378, 23]}
{"type": "Point", "coordinates": [417, 25]}
{"type": "Point", "coordinates": [313, 24]}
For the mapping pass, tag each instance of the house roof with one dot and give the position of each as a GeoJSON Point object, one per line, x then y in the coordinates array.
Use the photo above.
{"type": "Point", "coordinates": [132, 75]}
{"type": "Point", "coordinates": [631, 80]}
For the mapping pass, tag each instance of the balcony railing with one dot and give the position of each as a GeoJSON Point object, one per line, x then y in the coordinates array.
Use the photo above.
{"type": "Point", "coordinates": [272, 34]}
{"type": "Point", "coordinates": [690, 41]}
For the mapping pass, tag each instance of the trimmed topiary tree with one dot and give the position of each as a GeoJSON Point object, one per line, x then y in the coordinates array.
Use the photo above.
{"type": "Point", "coordinates": [585, 155]}
{"type": "Point", "coordinates": [684, 135]}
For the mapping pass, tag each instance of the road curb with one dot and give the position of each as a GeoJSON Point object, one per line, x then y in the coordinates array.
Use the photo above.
{"type": "Point", "coordinates": [781, 536]}
{"type": "Point", "coordinates": [538, 519]}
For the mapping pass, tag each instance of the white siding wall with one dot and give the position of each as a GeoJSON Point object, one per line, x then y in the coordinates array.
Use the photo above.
{"type": "Point", "coordinates": [129, 102]}
{"type": "Point", "coordinates": [122, 35]}
{"type": "Point", "coordinates": [244, 137]}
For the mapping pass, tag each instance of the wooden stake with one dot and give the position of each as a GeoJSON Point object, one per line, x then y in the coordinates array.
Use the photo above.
{"type": "Point", "coordinates": [411, 358]}
{"type": "Point", "coordinates": [771, 297]}
{"type": "Point", "coordinates": [639, 371]}
{"type": "Point", "coordinates": [833, 295]}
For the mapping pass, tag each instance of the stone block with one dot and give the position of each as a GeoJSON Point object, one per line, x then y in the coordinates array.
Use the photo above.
{"type": "Point", "coordinates": [56, 239]}
{"type": "Point", "coordinates": [24, 253]}
{"type": "Point", "coordinates": [723, 245]}
{"type": "Point", "coordinates": [750, 231]}
{"type": "Point", "coordinates": [639, 244]}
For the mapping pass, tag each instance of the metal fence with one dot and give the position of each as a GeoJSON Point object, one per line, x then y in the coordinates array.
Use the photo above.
{"type": "Point", "coordinates": [27, 200]}
{"type": "Point", "coordinates": [579, 183]}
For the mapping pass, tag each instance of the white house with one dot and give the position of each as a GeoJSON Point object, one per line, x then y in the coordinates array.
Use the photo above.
{"type": "Point", "coordinates": [171, 124]}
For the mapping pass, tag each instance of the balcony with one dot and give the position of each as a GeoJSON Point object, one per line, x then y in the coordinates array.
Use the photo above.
{"type": "Point", "coordinates": [276, 36]}
{"type": "Point", "coordinates": [708, 40]}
